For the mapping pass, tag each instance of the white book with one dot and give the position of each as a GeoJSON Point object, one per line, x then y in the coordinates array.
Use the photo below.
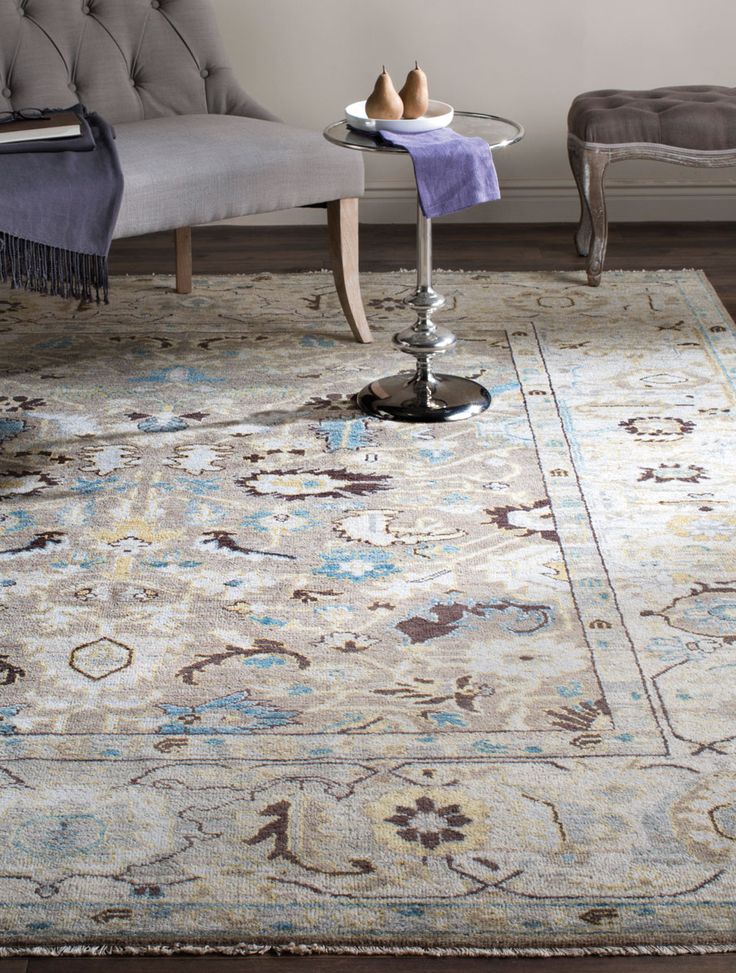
{"type": "Point", "coordinates": [60, 126]}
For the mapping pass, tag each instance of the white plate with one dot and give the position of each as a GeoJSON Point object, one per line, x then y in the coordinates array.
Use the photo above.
{"type": "Point", "coordinates": [439, 115]}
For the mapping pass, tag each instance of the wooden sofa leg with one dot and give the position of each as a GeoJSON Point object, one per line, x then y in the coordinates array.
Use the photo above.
{"type": "Point", "coordinates": [584, 231]}
{"type": "Point", "coordinates": [342, 223]}
{"type": "Point", "coordinates": [594, 167]}
{"type": "Point", "coordinates": [183, 245]}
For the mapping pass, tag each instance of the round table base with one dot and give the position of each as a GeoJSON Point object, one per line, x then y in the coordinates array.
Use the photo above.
{"type": "Point", "coordinates": [399, 397]}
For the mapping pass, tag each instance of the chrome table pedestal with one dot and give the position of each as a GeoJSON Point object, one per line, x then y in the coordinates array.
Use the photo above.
{"type": "Point", "coordinates": [424, 395]}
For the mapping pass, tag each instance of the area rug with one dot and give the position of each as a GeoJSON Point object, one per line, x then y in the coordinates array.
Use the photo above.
{"type": "Point", "coordinates": [274, 675]}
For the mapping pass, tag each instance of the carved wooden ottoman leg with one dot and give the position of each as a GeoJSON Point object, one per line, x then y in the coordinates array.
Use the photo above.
{"type": "Point", "coordinates": [584, 231]}
{"type": "Point", "coordinates": [594, 167]}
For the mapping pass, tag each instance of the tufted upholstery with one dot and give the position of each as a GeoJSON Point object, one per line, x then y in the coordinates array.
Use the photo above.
{"type": "Point", "coordinates": [126, 59]}
{"type": "Point", "coordinates": [690, 117]}
{"type": "Point", "coordinates": [139, 61]}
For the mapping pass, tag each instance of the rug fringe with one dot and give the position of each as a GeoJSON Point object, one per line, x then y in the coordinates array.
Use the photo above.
{"type": "Point", "coordinates": [326, 271]}
{"type": "Point", "coordinates": [312, 949]}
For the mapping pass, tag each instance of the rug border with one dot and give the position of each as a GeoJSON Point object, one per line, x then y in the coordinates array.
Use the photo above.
{"type": "Point", "coordinates": [711, 290]}
{"type": "Point", "coordinates": [318, 949]}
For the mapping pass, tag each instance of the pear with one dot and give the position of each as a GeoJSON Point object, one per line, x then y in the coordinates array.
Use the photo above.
{"type": "Point", "coordinates": [384, 101]}
{"type": "Point", "coordinates": [415, 93]}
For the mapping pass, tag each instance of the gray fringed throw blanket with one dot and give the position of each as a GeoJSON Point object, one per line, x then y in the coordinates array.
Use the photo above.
{"type": "Point", "coordinates": [59, 202]}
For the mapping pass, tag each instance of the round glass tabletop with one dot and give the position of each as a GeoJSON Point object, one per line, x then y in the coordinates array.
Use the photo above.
{"type": "Point", "coordinates": [497, 131]}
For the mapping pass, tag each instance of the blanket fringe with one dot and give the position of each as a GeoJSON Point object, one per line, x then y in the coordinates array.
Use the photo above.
{"type": "Point", "coordinates": [53, 271]}
{"type": "Point", "coordinates": [311, 949]}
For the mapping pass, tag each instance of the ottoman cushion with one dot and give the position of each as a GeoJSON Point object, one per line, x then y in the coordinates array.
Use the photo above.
{"type": "Point", "coordinates": [691, 117]}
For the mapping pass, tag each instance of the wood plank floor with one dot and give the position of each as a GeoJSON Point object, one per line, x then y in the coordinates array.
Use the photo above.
{"type": "Point", "coordinates": [457, 246]}
{"type": "Point", "coordinates": [218, 250]}
{"type": "Point", "coordinates": [721, 963]}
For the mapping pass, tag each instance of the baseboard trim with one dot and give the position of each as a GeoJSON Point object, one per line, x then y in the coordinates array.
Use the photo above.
{"type": "Point", "coordinates": [548, 201]}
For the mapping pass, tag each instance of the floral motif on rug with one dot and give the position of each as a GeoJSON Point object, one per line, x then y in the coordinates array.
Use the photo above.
{"type": "Point", "coordinates": [272, 672]}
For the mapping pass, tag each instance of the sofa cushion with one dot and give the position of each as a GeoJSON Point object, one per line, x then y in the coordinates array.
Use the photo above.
{"type": "Point", "coordinates": [691, 117]}
{"type": "Point", "coordinates": [190, 169]}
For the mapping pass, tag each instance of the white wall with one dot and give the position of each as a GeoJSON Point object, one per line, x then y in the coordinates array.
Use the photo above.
{"type": "Point", "coordinates": [307, 59]}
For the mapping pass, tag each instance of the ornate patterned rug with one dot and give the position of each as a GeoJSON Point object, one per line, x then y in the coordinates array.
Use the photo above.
{"type": "Point", "coordinates": [276, 675]}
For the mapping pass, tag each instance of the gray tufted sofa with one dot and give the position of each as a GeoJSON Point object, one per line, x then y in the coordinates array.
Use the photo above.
{"type": "Point", "coordinates": [194, 146]}
{"type": "Point", "coordinates": [691, 125]}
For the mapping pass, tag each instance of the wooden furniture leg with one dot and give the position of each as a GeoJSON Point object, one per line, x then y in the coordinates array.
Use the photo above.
{"type": "Point", "coordinates": [594, 165]}
{"type": "Point", "coordinates": [584, 231]}
{"type": "Point", "coordinates": [342, 224]}
{"type": "Point", "coordinates": [183, 246]}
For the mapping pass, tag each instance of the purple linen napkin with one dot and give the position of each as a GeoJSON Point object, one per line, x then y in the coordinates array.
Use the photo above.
{"type": "Point", "coordinates": [452, 171]}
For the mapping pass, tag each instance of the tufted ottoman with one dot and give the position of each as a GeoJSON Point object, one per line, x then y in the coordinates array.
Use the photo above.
{"type": "Point", "coordinates": [692, 126]}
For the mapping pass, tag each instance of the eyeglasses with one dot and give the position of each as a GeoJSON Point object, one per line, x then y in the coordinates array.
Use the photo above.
{"type": "Point", "coordinates": [26, 115]}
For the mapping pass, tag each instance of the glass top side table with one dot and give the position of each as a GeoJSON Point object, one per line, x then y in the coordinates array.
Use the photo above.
{"type": "Point", "coordinates": [426, 396]}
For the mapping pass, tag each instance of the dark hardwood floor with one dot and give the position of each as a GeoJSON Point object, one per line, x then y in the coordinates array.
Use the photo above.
{"type": "Point", "coordinates": [719, 963]}
{"type": "Point", "coordinates": [457, 246]}
{"type": "Point", "coordinates": [217, 250]}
